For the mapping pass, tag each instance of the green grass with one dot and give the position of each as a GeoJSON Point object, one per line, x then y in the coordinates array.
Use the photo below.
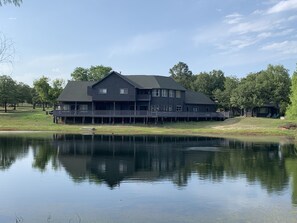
{"type": "Point", "coordinates": [27, 119]}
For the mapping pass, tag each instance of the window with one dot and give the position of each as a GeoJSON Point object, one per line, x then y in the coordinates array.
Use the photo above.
{"type": "Point", "coordinates": [164, 93]}
{"type": "Point", "coordinates": [195, 109]}
{"type": "Point", "coordinates": [171, 93]}
{"type": "Point", "coordinates": [179, 108]}
{"type": "Point", "coordinates": [177, 94]}
{"type": "Point", "coordinates": [124, 91]}
{"type": "Point", "coordinates": [102, 91]}
{"type": "Point", "coordinates": [83, 107]}
{"type": "Point", "coordinates": [156, 93]}
{"type": "Point", "coordinates": [170, 108]}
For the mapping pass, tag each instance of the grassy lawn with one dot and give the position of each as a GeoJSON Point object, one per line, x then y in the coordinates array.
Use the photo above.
{"type": "Point", "coordinates": [27, 119]}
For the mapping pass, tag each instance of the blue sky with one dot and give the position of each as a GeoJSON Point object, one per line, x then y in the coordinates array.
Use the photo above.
{"type": "Point", "coordinates": [51, 38]}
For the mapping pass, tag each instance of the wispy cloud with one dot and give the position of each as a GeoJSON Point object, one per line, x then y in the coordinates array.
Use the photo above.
{"type": "Point", "coordinates": [233, 18]}
{"type": "Point", "coordinates": [140, 43]}
{"type": "Point", "coordinates": [283, 6]}
{"type": "Point", "coordinates": [238, 32]}
{"type": "Point", "coordinates": [284, 47]}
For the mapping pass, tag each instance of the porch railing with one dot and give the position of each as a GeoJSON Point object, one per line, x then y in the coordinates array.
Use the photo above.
{"type": "Point", "coordinates": [137, 113]}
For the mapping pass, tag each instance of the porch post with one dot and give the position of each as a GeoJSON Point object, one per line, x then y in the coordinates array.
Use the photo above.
{"type": "Point", "coordinates": [113, 112]}
{"type": "Point", "coordinates": [75, 109]}
{"type": "Point", "coordinates": [114, 108]}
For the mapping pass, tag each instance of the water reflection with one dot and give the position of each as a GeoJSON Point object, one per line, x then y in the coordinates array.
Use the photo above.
{"type": "Point", "coordinates": [113, 159]}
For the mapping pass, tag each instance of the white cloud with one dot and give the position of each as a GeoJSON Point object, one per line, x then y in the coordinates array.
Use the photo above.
{"type": "Point", "coordinates": [284, 47]}
{"type": "Point", "coordinates": [233, 18]}
{"type": "Point", "coordinates": [283, 6]}
{"type": "Point", "coordinates": [140, 43]}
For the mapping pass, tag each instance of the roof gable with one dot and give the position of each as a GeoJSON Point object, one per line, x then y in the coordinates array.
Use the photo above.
{"type": "Point", "coordinates": [114, 73]}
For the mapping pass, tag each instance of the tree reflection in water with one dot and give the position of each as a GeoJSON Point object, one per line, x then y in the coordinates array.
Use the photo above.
{"type": "Point", "coordinates": [114, 159]}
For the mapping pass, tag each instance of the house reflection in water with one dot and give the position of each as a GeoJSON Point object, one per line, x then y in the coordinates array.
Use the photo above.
{"type": "Point", "coordinates": [112, 159]}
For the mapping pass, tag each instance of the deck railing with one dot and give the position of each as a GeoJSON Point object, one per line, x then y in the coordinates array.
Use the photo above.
{"type": "Point", "coordinates": [137, 113]}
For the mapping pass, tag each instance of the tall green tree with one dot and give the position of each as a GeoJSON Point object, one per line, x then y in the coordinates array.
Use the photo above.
{"type": "Point", "coordinates": [7, 91]}
{"type": "Point", "coordinates": [56, 90]}
{"type": "Point", "coordinates": [24, 93]}
{"type": "Point", "coordinates": [98, 72]}
{"type": "Point", "coordinates": [42, 88]}
{"type": "Point", "coordinates": [224, 96]}
{"type": "Point", "coordinates": [247, 95]}
{"type": "Point", "coordinates": [292, 108]}
{"type": "Point", "coordinates": [94, 73]}
{"type": "Point", "coordinates": [35, 98]}
{"type": "Point", "coordinates": [80, 74]}
{"type": "Point", "coordinates": [208, 83]}
{"type": "Point", "coordinates": [181, 74]}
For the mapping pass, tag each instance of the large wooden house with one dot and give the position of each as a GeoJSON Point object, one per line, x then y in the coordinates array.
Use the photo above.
{"type": "Point", "coordinates": [121, 98]}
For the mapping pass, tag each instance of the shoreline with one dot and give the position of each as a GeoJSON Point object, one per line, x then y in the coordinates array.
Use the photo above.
{"type": "Point", "coordinates": [250, 136]}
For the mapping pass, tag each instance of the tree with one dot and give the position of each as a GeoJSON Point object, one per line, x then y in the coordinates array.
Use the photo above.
{"type": "Point", "coordinates": [224, 96]}
{"type": "Point", "coordinates": [23, 93]}
{"type": "Point", "coordinates": [6, 49]}
{"type": "Point", "coordinates": [276, 85]}
{"type": "Point", "coordinates": [42, 88]}
{"type": "Point", "coordinates": [292, 108]}
{"type": "Point", "coordinates": [35, 98]}
{"type": "Point", "coordinates": [181, 74]}
{"type": "Point", "coordinates": [94, 73]}
{"type": "Point", "coordinates": [98, 72]}
{"type": "Point", "coordinates": [7, 91]}
{"type": "Point", "coordinates": [202, 83]}
{"type": "Point", "coordinates": [55, 90]}
{"type": "Point", "coordinates": [80, 74]}
{"type": "Point", "coordinates": [15, 2]}
{"type": "Point", "coordinates": [208, 83]}
{"type": "Point", "coordinates": [247, 95]}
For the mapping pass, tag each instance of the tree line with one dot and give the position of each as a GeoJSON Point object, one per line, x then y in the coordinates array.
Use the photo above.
{"type": "Point", "coordinates": [271, 86]}
{"type": "Point", "coordinates": [42, 93]}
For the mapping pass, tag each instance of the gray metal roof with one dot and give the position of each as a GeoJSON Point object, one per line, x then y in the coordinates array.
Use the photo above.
{"type": "Point", "coordinates": [193, 97]}
{"type": "Point", "coordinates": [76, 91]}
{"type": "Point", "coordinates": [152, 81]}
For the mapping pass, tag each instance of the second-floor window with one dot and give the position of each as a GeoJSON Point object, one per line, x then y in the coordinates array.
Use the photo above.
{"type": "Point", "coordinates": [171, 93]}
{"type": "Point", "coordinates": [124, 91]}
{"type": "Point", "coordinates": [178, 94]}
{"type": "Point", "coordinates": [102, 91]}
{"type": "Point", "coordinates": [156, 93]}
{"type": "Point", "coordinates": [164, 93]}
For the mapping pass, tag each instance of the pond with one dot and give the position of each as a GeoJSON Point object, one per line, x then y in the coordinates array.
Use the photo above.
{"type": "Point", "coordinates": [96, 178]}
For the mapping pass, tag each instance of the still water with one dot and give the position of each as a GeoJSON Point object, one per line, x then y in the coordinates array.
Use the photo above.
{"type": "Point", "coordinates": [87, 178]}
